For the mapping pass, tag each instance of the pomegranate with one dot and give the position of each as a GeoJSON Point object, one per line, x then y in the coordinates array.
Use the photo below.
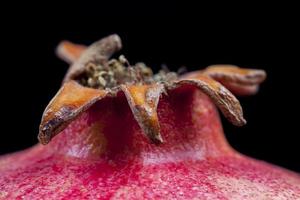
{"type": "Point", "coordinates": [116, 131]}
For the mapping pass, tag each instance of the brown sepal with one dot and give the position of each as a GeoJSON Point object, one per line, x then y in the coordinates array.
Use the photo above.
{"type": "Point", "coordinates": [98, 53]}
{"type": "Point", "coordinates": [222, 97]}
{"type": "Point", "coordinates": [143, 101]}
{"type": "Point", "coordinates": [69, 52]}
{"type": "Point", "coordinates": [238, 80]}
{"type": "Point", "coordinates": [71, 100]}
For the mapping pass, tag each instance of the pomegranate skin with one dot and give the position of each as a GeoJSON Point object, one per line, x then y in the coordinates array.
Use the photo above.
{"type": "Point", "coordinates": [104, 155]}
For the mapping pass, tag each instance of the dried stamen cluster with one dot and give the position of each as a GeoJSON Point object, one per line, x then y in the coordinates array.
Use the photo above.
{"type": "Point", "coordinates": [118, 71]}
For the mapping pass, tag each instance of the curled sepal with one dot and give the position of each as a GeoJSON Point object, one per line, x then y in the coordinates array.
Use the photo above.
{"type": "Point", "coordinates": [143, 101]}
{"type": "Point", "coordinates": [238, 80]}
{"type": "Point", "coordinates": [241, 90]}
{"type": "Point", "coordinates": [222, 97]}
{"type": "Point", "coordinates": [97, 53]}
{"type": "Point", "coordinates": [71, 100]}
{"type": "Point", "coordinates": [69, 52]}
{"type": "Point", "coordinates": [235, 74]}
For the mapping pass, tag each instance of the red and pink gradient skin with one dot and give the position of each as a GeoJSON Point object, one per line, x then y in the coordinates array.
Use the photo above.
{"type": "Point", "coordinates": [104, 155]}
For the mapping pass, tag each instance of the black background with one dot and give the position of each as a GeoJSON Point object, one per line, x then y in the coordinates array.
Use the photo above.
{"type": "Point", "coordinates": [171, 33]}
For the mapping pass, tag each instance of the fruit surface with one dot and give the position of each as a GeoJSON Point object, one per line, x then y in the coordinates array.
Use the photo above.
{"type": "Point", "coordinates": [103, 155]}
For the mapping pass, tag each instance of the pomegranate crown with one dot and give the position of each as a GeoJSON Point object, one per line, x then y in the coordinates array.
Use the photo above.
{"type": "Point", "coordinates": [93, 76]}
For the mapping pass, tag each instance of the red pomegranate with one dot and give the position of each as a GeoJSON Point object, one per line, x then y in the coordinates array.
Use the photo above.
{"type": "Point", "coordinates": [123, 133]}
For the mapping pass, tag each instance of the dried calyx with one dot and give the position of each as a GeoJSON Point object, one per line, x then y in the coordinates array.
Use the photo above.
{"type": "Point", "coordinates": [93, 76]}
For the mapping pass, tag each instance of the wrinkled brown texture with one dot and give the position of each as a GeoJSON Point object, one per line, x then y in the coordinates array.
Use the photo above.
{"type": "Point", "coordinates": [98, 53]}
{"type": "Point", "coordinates": [240, 81]}
{"type": "Point", "coordinates": [223, 98]}
{"type": "Point", "coordinates": [71, 100]}
{"type": "Point", "coordinates": [143, 101]}
{"type": "Point", "coordinates": [231, 73]}
{"type": "Point", "coordinates": [143, 98]}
